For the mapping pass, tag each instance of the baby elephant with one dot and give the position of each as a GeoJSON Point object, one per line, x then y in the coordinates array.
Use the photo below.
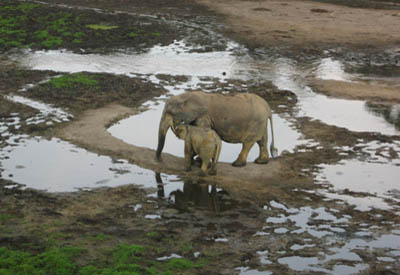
{"type": "Point", "coordinates": [203, 142]}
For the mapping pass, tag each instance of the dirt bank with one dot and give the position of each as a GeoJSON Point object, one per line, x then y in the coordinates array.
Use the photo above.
{"type": "Point", "coordinates": [306, 23]}
{"type": "Point", "coordinates": [357, 90]}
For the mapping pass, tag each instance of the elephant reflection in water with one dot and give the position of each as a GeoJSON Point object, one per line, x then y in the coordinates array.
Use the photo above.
{"type": "Point", "coordinates": [199, 195]}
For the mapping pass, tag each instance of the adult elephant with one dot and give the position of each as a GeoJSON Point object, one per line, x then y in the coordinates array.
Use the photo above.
{"type": "Point", "coordinates": [238, 118]}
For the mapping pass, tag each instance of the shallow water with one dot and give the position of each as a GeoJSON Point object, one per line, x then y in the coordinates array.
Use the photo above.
{"type": "Point", "coordinates": [47, 112]}
{"type": "Point", "coordinates": [351, 114]}
{"type": "Point", "coordinates": [64, 167]}
{"type": "Point", "coordinates": [174, 59]}
{"type": "Point", "coordinates": [341, 252]}
{"type": "Point", "coordinates": [379, 182]}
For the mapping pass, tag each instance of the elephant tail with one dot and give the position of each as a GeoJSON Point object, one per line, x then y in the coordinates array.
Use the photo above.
{"type": "Point", "coordinates": [272, 148]}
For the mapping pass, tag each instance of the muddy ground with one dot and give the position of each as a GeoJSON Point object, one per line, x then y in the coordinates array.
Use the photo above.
{"type": "Point", "coordinates": [218, 225]}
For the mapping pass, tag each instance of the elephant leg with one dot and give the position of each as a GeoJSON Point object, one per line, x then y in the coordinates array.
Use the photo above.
{"type": "Point", "coordinates": [263, 158]}
{"type": "Point", "coordinates": [204, 167]}
{"type": "Point", "coordinates": [189, 153]}
{"type": "Point", "coordinates": [242, 158]}
{"type": "Point", "coordinates": [213, 169]}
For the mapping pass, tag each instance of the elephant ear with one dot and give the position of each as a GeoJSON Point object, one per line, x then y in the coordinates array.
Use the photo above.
{"type": "Point", "coordinates": [189, 107]}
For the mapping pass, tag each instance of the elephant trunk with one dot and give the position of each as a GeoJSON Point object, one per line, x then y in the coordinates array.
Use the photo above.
{"type": "Point", "coordinates": [165, 123]}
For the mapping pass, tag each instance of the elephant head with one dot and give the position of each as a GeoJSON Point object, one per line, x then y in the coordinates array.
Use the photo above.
{"type": "Point", "coordinates": [186, 108]}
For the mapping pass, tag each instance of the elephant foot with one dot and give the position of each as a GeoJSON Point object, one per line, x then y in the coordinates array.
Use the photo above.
{"type": "Point", "coordinates": [239, 163]}
{"type": "Point", "coordinates": [212, 172]}
{"type": "Point", "coordinates": [261, 160]}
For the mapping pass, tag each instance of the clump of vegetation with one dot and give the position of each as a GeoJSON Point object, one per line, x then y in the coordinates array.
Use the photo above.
{"type": "Point", "coordinates": [6, 217]}
{"type": "Point", "coordinates": [152, 234]}
{"type": "Point", "coordinates": [73, 80]}
{"type": "Point", "coordinates": [126, 259]}
{"type": "Point", "coordinates": [101, 27]}
{"type": "Point", "coordinates": [53, 261]}
{"type": "Point", "coordinates": [11, 19]}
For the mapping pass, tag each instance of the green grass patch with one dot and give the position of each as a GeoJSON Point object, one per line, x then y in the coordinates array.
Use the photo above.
{"type": "Point", "coordinates": [132, 34]}
{"type": "Point", "coordinates": [181, 264]}
{"type": "Point", "coordinates": [42, 34]}
{"type": "Point", "coordinates": [125, 259]}
{"type": "Point", "coordinates": [6, 217]}
{"type": "Point", "coordinates": [23, 7]}
{"type": "Point", "coordinates": [52, 42]}
{"type": "Point", "coordinates": [99, 237]}
{"type": "Point", "coordinates": [54, 261]}
{"type": "Point", "coordinates": [102, 237]}
{"type": "Point", "coordinates": [152, 234]}
{"type": "Point", "coordinates": [127, 253]}
{"type": "Point", "coordinates": [101, 27]}
{"type": "Point", "coordinates": [79, 34]}
{"type": "Point", "coordinates": [73, 80]}
{"type": "Point", "coordinates": [41, 26]}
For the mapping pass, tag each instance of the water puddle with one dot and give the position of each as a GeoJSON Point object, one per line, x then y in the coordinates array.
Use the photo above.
{"type": "Point", "coordinates": [64, 167]}
{"type": "Point", "coordinates": [187, 195]}
{"type": "Point", "coordinates": [47, 113]}
{"type": "Point", "coordinates": [248, 271]}
{"type": "Point", "coordinates": [330, 69]}
{"type": "Point", "coordinates": [354, 115]}
{"type": "Point", "coordinates": [175, 59]}
{"type": "Point", "coordinates": [377, 183]}
{"type": "Point", "coordinates": [300, 220]}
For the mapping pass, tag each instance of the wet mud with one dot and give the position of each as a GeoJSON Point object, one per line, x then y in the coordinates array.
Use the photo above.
{"type": "Point", "coordinates": [328, 204]}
